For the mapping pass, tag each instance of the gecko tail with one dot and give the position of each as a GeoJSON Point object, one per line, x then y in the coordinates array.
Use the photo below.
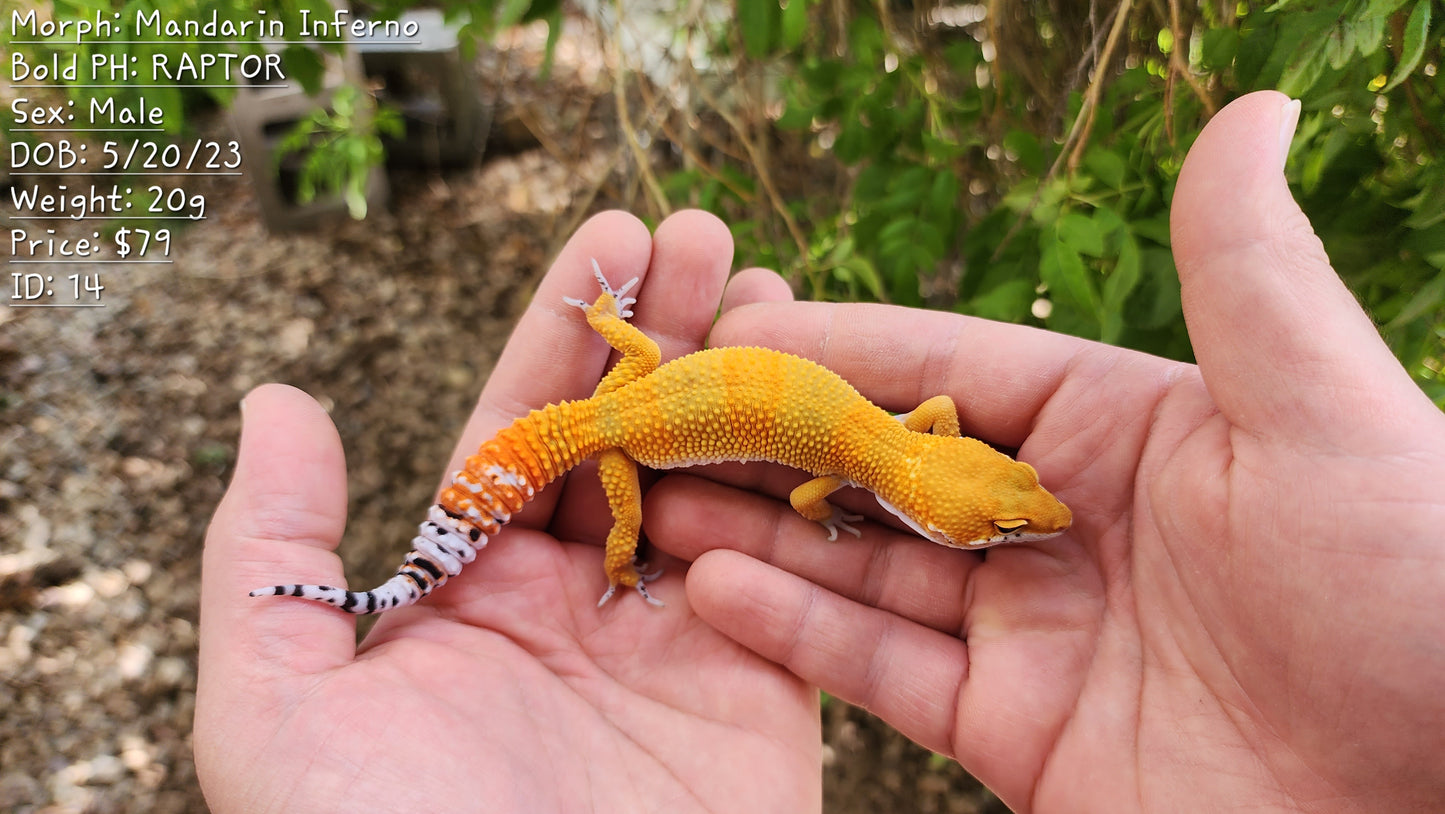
{"type": "Point", "coordinates": [438, 552]}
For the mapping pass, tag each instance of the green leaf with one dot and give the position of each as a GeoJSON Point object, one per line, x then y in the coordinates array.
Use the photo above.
{"type": "Point", "coordinates": [1369, 35]}
{"type": "Point", "coordinates": [1382, 8]}
{"type": "Point", "coordinates": [1009, 301]}
{"type": "Point", "coordinates": [1416, 29]}
{"type": "Point", "coordinates": [554, 36]}
{"type": "Point", "coordinates": [1218, 48]}
{"type": "Point", "coordinates": [757, 19]}
{"type": "Point", "coordinates": [1025, 146]}
{"type": "Point", "coordinates": [1429, 297]}
{"type": "Point", "coordinates": [841, 251]}
{"type": "Point", "coordinates": [305, 66]}
{"type": "Point", "coordinates": [1107, 166]}
{"type": "Point", "coordinates": [865, 38]}
{"type": "Point", "coordinates": [895, 235]}
{"type": "Point", "coordinates": [1340, 46]}
{"type": "Point", "coordinates": [1429, 244]}
{"type": "Point", "coordinates": [906, 190]}
{"type": "Point", "coordinates": [1122, 281]}
{"type": "Point", "coordinates": [1253, 53]}
{"type": "Point", "coordinates": [862, 270]}
{"type": "Point", "coordinates": [1304, 69]}
{"type": "Point", "coordinates": [1155, 229]}
{"type": "Point", "coordinates": [1067, 276]}
{"type": "Point", "coordinates": [1157, 302]}
{"type": "Point", "coordinates": [795, 23]}
{"type": "Point", "coordinates": [511, 12]}
{"type": "Point", "coordinates": [1428, 206]}
{"type": "Point", "coordinates": [931, 244]}
{"type": "Point", "coordinates": [942, 150]}
{"type": "Point", "coordinates": [1081, 233]}
{"type": "Point", "coordinates": [872, 182]}
{"type": "Point", "coordinates": [942, 195]}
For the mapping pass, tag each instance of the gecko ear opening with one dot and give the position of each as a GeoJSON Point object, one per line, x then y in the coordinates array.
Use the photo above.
{"type": "Point", "coordinates": [1009, 526]}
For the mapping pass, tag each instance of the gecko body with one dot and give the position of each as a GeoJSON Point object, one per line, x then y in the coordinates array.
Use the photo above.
{"type": "Point", "coordinates": [721, 404]}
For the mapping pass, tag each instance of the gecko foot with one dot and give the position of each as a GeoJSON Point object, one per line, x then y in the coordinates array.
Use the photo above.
{"type": "Point", "coordinates": [651, 600]}
{"type": "Point", "coordinates": [620, 302]}
{"type": "Point", "coordinates": [641, 586]}
{"type": "Point", "coordinates": [838, 520]}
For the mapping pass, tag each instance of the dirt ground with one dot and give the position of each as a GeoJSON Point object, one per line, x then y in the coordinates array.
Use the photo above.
{"type": "Point", "coordinates": [118, 429]}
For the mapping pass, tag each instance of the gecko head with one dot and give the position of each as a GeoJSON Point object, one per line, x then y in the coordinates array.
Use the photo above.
{"type": "Point", "coordinates": [969, 495]}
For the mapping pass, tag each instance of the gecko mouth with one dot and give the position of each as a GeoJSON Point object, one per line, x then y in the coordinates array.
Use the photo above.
{"type": "Point", "coordinates": [1016, 537]}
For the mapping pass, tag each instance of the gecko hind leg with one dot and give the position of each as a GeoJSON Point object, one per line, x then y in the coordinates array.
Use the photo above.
{"type": "Point", "coordinates": [640, 587]}
{"type": "Point", "coordinates": [624, 496]}
{"type": "Point", "coordinates": [937, 415]}
{"type": "Point", "coordinates": [608, 317]}
{"type": "Point", "coordinates": [615, 300]}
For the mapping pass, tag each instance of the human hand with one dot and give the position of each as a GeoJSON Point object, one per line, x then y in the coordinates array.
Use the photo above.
{"type": "Point", "coordinates": [508, 688]}
{"type": "Point", "coordinates": [1249, 611]}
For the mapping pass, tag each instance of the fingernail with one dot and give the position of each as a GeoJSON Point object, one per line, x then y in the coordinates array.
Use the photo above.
{"type": "Point", "coordinates": [1289, 120]}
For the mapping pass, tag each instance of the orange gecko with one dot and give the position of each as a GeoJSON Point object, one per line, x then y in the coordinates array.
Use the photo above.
{"type": "Point", "coordinates": [723, 404]}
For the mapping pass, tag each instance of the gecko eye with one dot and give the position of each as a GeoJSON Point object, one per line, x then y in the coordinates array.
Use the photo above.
{"type": "Point", "coordinates": [1009, 526]}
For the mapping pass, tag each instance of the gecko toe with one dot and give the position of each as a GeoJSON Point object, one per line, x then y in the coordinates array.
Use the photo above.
{"type": "Point", "coordinates": [651, 600]}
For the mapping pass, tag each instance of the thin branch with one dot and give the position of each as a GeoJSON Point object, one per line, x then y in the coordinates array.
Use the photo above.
{"type": "Point", "coordinates": [691, 155]}
{"type": "Point", "coordinates": [1179, 66]}
{"type": "Point", "coordinates": [1079, 133]}
{"type": "Point", "coordinates": [764, 176]}
{"type": "Point", "coordinates": [624, 121]}
{"type": "Point", "coordinates": [1083, 123]}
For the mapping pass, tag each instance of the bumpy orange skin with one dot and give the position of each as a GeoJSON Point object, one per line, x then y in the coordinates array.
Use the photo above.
{"type": "Point", "coordinates": [754, 404]}
{"type": "Point", "coordinates": [725, 404]}
{"type": "Point", "coordinates": [745, 404]}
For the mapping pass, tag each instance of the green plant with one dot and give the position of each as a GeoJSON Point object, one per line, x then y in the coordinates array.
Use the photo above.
{"type": "Point", "coordinates": [152, 60]}
{"type": "Point", "coordinates": [338, 146]}
{"type": "Point", "coordinates": [157, 50]}
{"type": "Point", "coordinates": [1018, 163]}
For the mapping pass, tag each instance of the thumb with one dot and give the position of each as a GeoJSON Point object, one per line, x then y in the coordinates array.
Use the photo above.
{"type": "Point", "coordinates": [1283, 347]}
{"type": "Point", "coordinates": [282, 514]}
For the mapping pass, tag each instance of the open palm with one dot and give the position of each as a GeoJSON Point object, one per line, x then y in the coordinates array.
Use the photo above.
{"type": "Point", "coordinates": [508, 690]}
{"type": "Point", "coordinates": [1249, 611]}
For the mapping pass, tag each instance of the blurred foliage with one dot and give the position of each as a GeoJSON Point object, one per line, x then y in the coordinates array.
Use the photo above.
{"type": "Point", "coordinates": [337, 149]}
{"type": "Point", "coordinates": [336, 146]}
{"type": "Point", "coordinates": [1016, 160]}
{"type": "Point", "coordinates": [1013, 160]}
{"type": "Point", "coordinates": [481, 20]}
{"type": "Point", "coordinates": [186, 91]}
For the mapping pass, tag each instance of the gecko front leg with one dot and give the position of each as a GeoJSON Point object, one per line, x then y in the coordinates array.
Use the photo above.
{"type": "Point", "coordinates": [810, 501]}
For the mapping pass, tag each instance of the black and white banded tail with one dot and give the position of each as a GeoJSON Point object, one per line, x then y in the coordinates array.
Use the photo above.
{"type": "Point", "coordinates": [438, 551]}
{"type": "Point", "coordinates": [503, 476]}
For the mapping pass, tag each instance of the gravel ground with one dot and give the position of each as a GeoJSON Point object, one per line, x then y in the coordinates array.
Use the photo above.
{"type": "Point", "coordinates": [118, 428]}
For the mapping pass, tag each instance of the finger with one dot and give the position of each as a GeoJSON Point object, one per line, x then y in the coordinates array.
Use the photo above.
{"type": "Point", "coordinates": [777, 481]}
{"type": "Point", "coordinates": [1000, 376]}
{"type": "Point", "coordinates": [1282, 344]}
{"type": "Point", "coordinates": [905, 673]}
{"type": "Point", "coordinates": [282, 514]}
{"type": "Point", "coordinates": [692, 253]}
{"type": "Point", "coordinates": [691, 256]}
{"type": "Point", "coordinates": [553, 355]}
{"type": "Point", "coordinates": [755, 285]}
{"type": "Point", "coordinates": [896, 571]}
